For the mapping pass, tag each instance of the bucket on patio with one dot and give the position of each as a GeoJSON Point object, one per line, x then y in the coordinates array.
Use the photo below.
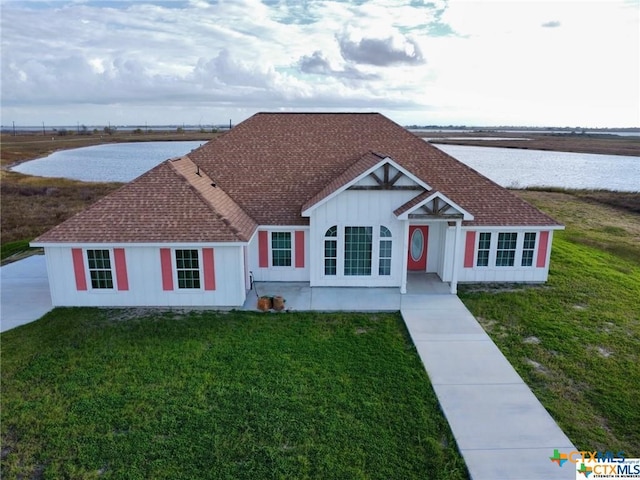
{"type": "Point", "coordinates": [278, 303]}
{"type": "Point", "coordinates": [264, 303]}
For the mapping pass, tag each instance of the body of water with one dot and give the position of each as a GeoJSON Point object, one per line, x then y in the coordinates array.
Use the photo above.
{"type": "Point", "coordinates": [514, 168]}
{"type": "Point", "coordinates": [113, 162]}
{"type": "Point", "coordinates": [520, 168]}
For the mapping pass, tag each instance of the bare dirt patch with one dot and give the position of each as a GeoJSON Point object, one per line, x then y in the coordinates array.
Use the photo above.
{"type": "Point", "coordinates": [531, 340]}
{"type": "Point", "coordinates": [537, 366]}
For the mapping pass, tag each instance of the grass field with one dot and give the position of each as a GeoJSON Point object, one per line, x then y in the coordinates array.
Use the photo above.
{"type": "Point", "coordinates": [89, 393]}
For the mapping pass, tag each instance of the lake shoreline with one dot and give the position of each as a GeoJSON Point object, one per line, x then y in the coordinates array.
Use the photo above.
{"type": "Point", "coordinates": [600, 144]}
{"type": "Point", "coordinates": [24, 147]}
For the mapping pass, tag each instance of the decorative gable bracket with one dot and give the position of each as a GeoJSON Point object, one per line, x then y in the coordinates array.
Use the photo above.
{"type": "Point", "coordinates": [432, 205]}
{"type": "Point", "coordinates": [386, 182]}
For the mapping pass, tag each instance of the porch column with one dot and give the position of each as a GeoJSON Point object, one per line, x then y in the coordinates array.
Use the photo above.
{"type": "Point", "coordinates": [405, 249]}
{"type": "Point", "coordinates": [456, 257]}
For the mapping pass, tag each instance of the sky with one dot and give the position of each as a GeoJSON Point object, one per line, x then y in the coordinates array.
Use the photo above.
{"type": "Point", "coordinates": [203, 62]}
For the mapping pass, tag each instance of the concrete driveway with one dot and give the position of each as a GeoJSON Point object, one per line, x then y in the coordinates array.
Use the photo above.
{"type": "Point", "coordinates": [24, 292]}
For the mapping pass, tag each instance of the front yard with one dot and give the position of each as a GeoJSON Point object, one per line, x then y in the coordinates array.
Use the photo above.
{"type": "Point", "coordinates": [90, 393]}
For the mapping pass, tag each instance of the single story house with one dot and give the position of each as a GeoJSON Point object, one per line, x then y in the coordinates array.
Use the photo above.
{"type": "Point", "coordinates": [332, 199]}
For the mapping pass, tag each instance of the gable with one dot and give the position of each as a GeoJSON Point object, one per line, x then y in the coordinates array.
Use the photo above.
{"type": "Point", "coordinates": [371, 172]}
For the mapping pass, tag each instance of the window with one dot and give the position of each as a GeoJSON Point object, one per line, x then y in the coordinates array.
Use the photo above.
{"type": "Point", "coordinates": [100, 268]}
{"type": "Point", "coordinates": [527, 249]}
{"type": "Point", "coordinates": [331, 251]}
{"type": "Point", "coordinates": [484, 245]}
{"type": "Point", "coordinates": [188, 268]}
{"type": "Point", "coordinates": [506, 252]}
{"type": "Point", "coordinates": [357, 250]}
{"type": "Point", "coordinates": [281, 249]}
{"type": "Point", "coordinates": [384, 267]}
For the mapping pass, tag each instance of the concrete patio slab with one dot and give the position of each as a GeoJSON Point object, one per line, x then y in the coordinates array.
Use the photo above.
{"type": "Point", "coordinates": [301, 297]}
{"type": "Point", "coordinates": [296, 294]}
{"type": "Point", "coordinates": [24, 292]}
{"type": "Point", "coordinates": [356, 299]}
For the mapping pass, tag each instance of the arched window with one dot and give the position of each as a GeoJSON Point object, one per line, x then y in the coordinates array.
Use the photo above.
{"type": "Point", "coordinates": [331, 251]}
{"type": "Point", "coordinates": [384, 265]}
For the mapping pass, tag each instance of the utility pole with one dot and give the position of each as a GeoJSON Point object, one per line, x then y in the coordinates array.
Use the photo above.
{"type": "Point", "coordinates": [43, 131]}
{"type": "Point", "coordinates": [14, 128]}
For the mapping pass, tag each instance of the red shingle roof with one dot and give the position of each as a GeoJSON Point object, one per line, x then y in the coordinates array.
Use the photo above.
{"type": "Point", "coordinates": [166, 204]}
{"type": "Point", "coordinates": [274, 163]}
{"type": "Point", "coordinates": [267, 168]}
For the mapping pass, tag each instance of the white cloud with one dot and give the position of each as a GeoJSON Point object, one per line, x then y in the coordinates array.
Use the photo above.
{"type": "Point", "coordinates": [455, 61]}
{"type": "Point", "coordinates": [391, 50]}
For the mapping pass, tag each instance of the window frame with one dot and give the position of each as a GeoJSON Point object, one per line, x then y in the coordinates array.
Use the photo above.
{"type": "Point", "coordinates": [487, 249]}
{"type": "Point", "coordinates": [177, 269]}
{"type": "Point", "coordinates": [531, 250]}
{"type": "Point", "coordinates": [330, 239]}
{"type": "Point", "coordinates": [272, 249]}
{"type": "Point", "coordinates": [385, 244]}
{"type": "Point", "coordinates": [360, 255]}
{"type": "Point", "coordinates": [110, 270]}
{"type": "Point", "coordinates": [381, 242]}
{"type": "Point", "coordinates": [508, 250]}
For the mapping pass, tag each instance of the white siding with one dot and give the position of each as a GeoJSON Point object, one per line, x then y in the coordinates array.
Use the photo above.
{"type": "Point", "coordinates": [517, 273]}
{"type": "Point", "coordinates": [279, 274]}
{"type": "Point", "coordinates": [359, 208]}
{"type": "Point", "coordinates": [145, 280]}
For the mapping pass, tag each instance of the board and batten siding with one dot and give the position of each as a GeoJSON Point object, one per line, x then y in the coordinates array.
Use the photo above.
{"type": "Point", "coordinates": [538, 272]}
{"type": "Point", "coordinates": [140, 280]}
{"type": "Point", "coordinates": [359, 208]}
{"type": "Point", "coordinates": [260, 255]}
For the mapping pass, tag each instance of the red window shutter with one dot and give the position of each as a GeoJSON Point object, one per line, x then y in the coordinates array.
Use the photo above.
{"type": "Point", "coordinates": [543, 246]}
{"type": "Point", "coordinates": [78, 269]}
{"type": "Point", "coordinates": [469, 249]}
{"type": "Point", "coordinates": [209, 269]}
{"type": "Point", "coordinates": [299, 245]}
{"type": "Point", "coordinates": [263, 249]}
{"type": "Point", "coordinates": [167, 272]}
{"type": "Point", "coordinates": [121, 268]}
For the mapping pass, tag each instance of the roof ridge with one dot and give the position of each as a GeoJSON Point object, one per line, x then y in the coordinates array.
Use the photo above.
{"type": "Point", "coordinates": [208, 202]}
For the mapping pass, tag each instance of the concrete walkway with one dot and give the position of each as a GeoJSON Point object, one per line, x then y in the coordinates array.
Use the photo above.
{"type": "Point", "coordinates": [24, 292]}
{"type": "Point", "coordinates": [502, 430]}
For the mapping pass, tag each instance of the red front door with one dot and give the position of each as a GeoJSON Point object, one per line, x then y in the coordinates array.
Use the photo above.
{"type": "Point", "coordinates": [418, 241]}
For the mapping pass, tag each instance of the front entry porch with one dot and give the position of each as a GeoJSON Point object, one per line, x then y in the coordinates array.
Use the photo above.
{"type": "Point", "coordinates": [300, 296]}
{"type": "Point", "coordinates": [421, 283]}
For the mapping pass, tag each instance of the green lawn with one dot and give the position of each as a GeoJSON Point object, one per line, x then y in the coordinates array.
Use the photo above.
{"type": "Point", "coordinates": [576, 339]}
{"type": "Point", "coordinates": [90, 393]}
